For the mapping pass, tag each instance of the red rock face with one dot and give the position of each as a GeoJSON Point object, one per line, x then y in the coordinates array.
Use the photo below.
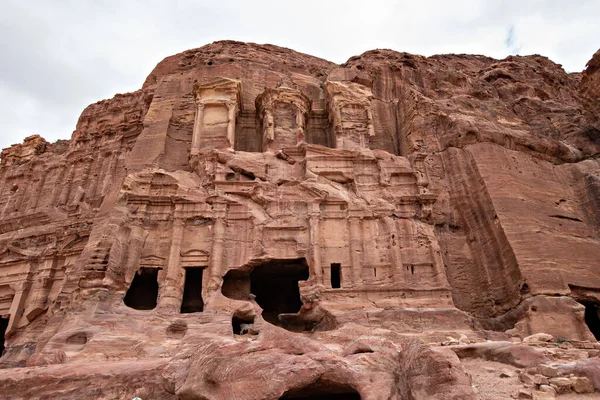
{"type": "Point", "coordinates": [256, 223]}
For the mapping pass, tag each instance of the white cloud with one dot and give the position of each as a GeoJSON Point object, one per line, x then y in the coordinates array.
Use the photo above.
{"type": "Point", "coordinates": [57, 57]}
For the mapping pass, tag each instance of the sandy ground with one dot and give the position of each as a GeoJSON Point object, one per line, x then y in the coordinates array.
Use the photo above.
{"type": "Point", "coordinates": [486, 380]}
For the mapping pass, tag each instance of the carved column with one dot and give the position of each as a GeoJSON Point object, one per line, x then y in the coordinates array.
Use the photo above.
{"type": "Point", "coordinates": [231, 113]}
{"type": "Point", "coordinates": [66, 186]}
{"type": "Point", "coordinates": [172, 294]}
{"type": "Point", "coordinates": [395, 251]}
{"type": "Point", "coordinates": [18, 303]}
{"type": "Point", "coordinates": [314, 241]}
{"type": "Point", "coordinates": [356, 249]}
{"type": "Point", "coordinates": [57, 185]}
{"type": "Point", "coordinates": [37, 193]}
{"type": "Point", "coordinates": [216, 258]}
{"type": "Point", "coordinates": [338, 134]}
{"type": "Point", "coordinates": [94, 182]}
{"type": "Point", "coordinates": [21, 194]}
{"type": "Point", "coordinates": [269, 127]}
{"type": "Point", "coordinates": [371, 123]}
{"type": "Point", "coordinates": [418, 164]}
{"type": "Point", "coordinates": [87, 169]}
{"type": "Point", "coordinates": [197, 127]}
{"type": "Point", "coordinates": [300, 123]}
{"type": "Point", "coordinates": [108, 177]}
{"type": "Point", "coordinates": [40, 288]}
{"type": "Point", "coordinates": [436, 256]}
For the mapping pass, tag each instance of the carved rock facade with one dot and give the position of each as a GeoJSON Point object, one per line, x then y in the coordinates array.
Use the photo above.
{"type": "Point", "coordinates": [252, 206]}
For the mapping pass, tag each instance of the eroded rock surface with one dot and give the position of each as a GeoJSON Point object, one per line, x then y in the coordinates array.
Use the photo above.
{"type": "Point", "coordinates": [256, 223]}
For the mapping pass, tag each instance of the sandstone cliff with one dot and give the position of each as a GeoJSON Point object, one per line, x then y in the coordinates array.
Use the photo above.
{"type": "Point", "coordinates": [256, 223]}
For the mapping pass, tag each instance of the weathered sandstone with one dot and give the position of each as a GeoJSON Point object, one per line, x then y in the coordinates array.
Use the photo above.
{"type": "Point", "coordinates": [256, 223]}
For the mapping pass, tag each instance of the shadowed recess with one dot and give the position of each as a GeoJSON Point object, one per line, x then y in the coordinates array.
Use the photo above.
{"type": "Point", "coordinates": [322, 392]}
{"type": "Point", "coordinates": [3, 326]}
{"type": "Point", "coordinates": [592, 319]}
{"type": "Point", "coordinates": [192, 291]}
{"type": "Point", "coordinates": [275, 285]}
{"type": "Point", "coordinates": [143, 292]}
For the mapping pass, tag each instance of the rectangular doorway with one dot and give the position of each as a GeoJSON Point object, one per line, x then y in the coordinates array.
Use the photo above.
{"type": "Point", "coordinates": [192, 291]}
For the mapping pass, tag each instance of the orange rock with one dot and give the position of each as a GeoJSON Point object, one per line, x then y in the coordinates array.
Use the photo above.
{"type": "Point", "coordinates": [248, 188]}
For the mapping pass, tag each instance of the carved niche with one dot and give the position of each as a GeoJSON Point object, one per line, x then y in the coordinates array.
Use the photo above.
{"type": "Point", "coordinates": [217, 105]}
{"type": "Point", "coordinates": [283, 113]}
{"type": "Point", "coordinates": [350, 113]}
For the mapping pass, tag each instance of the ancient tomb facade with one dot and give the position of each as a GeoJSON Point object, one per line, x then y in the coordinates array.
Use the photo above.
{"type": "Point", "coordinates": [217, 105]}
{"type": "Point", "coordinates": [350, 113]}
{"type": "Point", "coordinates": [226, 200]}
{"type": "Point", "coordinates": [283, 114]}
{"type": "Point", "coordinates": [358, 221]}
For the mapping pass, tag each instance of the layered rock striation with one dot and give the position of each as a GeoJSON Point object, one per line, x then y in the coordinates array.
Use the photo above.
{"type": "Point", "coordinates": [256, 223]}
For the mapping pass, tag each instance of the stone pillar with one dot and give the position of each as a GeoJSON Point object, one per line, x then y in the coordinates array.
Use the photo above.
{"type": "Point", "coordinates": [66, 186]}
{"type": "Point", "coordinates": [40, 289]}
{"type": "Point", "coordinates": [216, 258]}
{"type": "Point", "coordinates": [337, 128]}
{"type": "Point", "coordinates": [356, 250]}
{"type": "Point", "coordinates": [7, 206]}
{"type": "Point", "coordinates": [198, 122]}
{"type": "Point", "coordinates": [395, 251]}
{"type": "Point", "coordinates": [300, 123]}
{"type": "Point", "coordinates": [21, 194]}
{"type": "Point", "coordinates": [95, 180]}
{"type": "Point", "coordinates": [232, 111]}
{"type": "Point", "coordinates": [18, 303]}
{"type": "Point", "coordinates": [371, 126]}
{"type": "Point", "coordinates": [108, 177]}
{"type": "Point", "coordinates": [314, 241]}
{"type": "Point", "coordinates": [57, 185]}
{"type": "Point", "coordinates": [39, 187]}
{"type": "Point", "coordinates": [436, 257]}
{"type": "Point", "coordinates": [269, 130]}
{"type": "Point", "coordinates": [87, 169]}
{"type": "Point", "coordinates": [172, 293]}
{"type": "Point", "coordinates": [418, 164]}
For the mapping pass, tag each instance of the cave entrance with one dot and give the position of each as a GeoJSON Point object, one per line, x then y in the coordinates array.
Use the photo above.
{"type": "Point", "coordinates": [243, 326]}
{"type": "Point", "coordinates": [143, 292]}
{"type": "Point", "coordinates": [322, 392]}
{"type": "Point", "coordinates": [192, 291]}
{"type": "Point", "coordinates": [592, 319]}
{"type": "Point", "coordinates": [275, 285]}
{"type": "Point", "coordinates": [3, 326]}
{"type": "Point", "coordinates": [336, 277]}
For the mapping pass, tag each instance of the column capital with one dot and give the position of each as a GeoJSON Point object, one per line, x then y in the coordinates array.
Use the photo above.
{"type": "Point", "coordinates": [231, 105]}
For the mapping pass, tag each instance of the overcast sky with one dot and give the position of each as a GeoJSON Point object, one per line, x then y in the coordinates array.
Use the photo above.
{"type": "Point", "coordinates": [56, 57]}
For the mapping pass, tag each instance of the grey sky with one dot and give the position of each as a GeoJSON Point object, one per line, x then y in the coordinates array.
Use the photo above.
{"type": "Point", "coordinates": [56, 57]}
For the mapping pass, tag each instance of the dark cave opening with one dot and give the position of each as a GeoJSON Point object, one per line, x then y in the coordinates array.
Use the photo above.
{"type": "Point", "coordinates": [322, 392]}
{"type": "Point", "coordinates": [192, 291]}
{"type": "Point", "coordinates": [3, 326]}
{"type": "Point", "coordinates": [336, 277]}
{"type": "Point", "coordinates": [592, 319]}
{"type": "Point", "coordinates": [236, 285]}
{"type": "Point", "coordinates": [275, 285]}
{"type": "Point", "coordinates": [242, 326]}
{"type": "Point", "coordinates": [143, 292]}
